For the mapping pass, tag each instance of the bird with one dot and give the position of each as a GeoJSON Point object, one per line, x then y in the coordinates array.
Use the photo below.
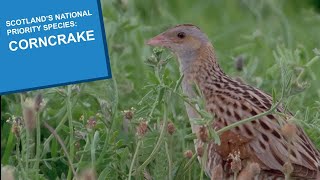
{"type": "Point", "coordinates": [270, 147]}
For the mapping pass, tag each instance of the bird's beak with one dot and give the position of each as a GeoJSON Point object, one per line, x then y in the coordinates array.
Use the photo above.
{"type": "Point", "coordinates": [158, 40]}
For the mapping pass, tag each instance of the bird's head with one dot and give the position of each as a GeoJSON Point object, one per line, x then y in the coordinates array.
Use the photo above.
{"type": "Point", "coordinates": [182, 39]}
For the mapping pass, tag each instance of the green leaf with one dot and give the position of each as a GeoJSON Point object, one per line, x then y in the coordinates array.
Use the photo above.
{"type": "Point", "coordinates": [274, 98]}
{"type": "Point", "coordinates": [216, 137]}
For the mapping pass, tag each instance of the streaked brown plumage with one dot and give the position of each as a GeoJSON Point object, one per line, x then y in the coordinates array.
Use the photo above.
{"type": "Point", "coordinates": [263, 147]}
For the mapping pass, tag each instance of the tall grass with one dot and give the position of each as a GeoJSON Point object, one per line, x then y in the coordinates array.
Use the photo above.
{"type": "Point", "coordinates": [118, 128]}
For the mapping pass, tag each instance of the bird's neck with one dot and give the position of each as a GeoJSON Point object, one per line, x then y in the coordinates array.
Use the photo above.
{"type": "Point", "coordinates": [199, 68]}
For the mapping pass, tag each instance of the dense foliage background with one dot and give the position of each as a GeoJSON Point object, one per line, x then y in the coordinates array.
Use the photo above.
{"type": "Point", "coordinates": [104, 125]}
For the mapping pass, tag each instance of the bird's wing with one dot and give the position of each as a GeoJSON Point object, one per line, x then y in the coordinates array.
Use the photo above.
{"type": "Point", "coordinates": [267, 141]}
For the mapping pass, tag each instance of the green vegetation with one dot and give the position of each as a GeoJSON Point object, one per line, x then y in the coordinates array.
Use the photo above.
{"type": "Point", "coordinates": [120, 127]}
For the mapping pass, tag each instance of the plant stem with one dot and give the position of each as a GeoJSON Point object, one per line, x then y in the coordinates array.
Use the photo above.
{"type": "Point", "coordinates": [60, 125]}
{"type": "Point", "coordinates": [178, 83]}
{"type": "Point", "coordinates": [95, 140]}
{"type": "Point", "coordinates": [156, 102]}
{"type": "Point", "coordinates": [203, 159]}
{"type": "Point", "coordinates": [311, 62]}
{"type": "Point", "coordinates": [47, 141]}
{"type": "Point", "coordinates": [235, 176]}
{"type": "Point", "coordinates": [85, 149]}
{"type": "Point", "coordinates": [189, 163]}
{"type": "Point", "coordinates": [134, 158]}
{"type": "Point", "coordinates": [169, 161]}
{"type": "Point", "coordinates": [112, 120]}
{"type": "Point", "coordinates": [186, 101]}
{"type": "Point", "coordinates": [19, 159]}
{"type": "Point", "coordinates": [26, 147]}
{"type": "Point", "coordinates": [115, 103]}
{"type": "Point", "coordinates": [159, 142]}
{"type": "Point", "coordinates": [270, 111]}
{"type": "Point", "coordinates": [71, 133]}
{"type": "Point", "coordinates": [54, 133]}
{"type": "Point", "coordinates": [38, 147]}
{"type": "Point", "coordinates": [8, 148]}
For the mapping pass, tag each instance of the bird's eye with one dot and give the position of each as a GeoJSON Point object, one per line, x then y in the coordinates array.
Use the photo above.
{"type": "Point", "coordinates": [181, 35]}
